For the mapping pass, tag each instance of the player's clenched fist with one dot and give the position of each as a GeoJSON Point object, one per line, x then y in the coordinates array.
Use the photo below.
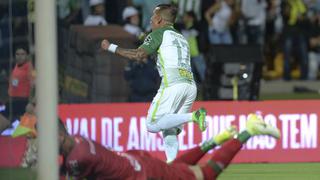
{"type": "Point", "coordinates": [105, 44]}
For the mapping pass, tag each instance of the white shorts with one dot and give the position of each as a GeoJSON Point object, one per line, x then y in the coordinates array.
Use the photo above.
{"type": "Point", "coordinates": [176, 99]}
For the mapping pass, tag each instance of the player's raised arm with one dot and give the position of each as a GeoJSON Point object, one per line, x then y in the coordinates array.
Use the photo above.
{"type": "Point", "coordinates": [138, 54]}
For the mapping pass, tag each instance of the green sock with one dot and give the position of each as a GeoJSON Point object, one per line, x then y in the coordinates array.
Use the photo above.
{"type": "Point", "coordinates": [243, 136]}
{"type": "Point", "coordinates": [208, 145]}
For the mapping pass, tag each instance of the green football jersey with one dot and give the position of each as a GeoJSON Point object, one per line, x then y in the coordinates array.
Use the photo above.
{"type": "Point", "coordinates": [173, 53]}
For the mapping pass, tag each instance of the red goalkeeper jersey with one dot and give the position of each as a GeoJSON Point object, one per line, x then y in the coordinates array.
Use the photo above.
{"type": "Point", "coordinates": [93, 161]}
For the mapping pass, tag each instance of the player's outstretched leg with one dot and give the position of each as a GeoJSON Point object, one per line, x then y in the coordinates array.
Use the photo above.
{"type": "Point", "coordinates": [222, 157]}
{"type": "Point", "coordinates": [199, 117]}
{"type": "Point", "coordinates": [192, 156]}
{"type": "Point", "coordinates": [169, 121]}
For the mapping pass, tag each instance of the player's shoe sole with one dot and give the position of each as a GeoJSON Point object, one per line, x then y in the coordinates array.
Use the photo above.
{"type": "Point", "coordinates": [199, 117]}
{"type": "Point", "coordinates": [256, 126]}
{"type": "Point", "coordinates": [225, 135]}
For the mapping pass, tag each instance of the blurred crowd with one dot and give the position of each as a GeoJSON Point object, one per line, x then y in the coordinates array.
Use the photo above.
{"type": "Point", "coordinates": [288, 31]}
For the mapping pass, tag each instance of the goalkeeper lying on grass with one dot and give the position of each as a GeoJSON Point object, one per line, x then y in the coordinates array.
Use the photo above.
{"type": "Point", "coordinates": [87, 159]}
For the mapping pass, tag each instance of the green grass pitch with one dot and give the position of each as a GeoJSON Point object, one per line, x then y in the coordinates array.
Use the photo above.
{"type": "Point", "coordinates": [293, 171]}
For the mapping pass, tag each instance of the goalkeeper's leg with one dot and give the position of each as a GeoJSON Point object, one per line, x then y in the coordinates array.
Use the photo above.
{"type": "Point", "coordinates": [223, 156]}
{"type": "Point", "coordinates": [192, 156]}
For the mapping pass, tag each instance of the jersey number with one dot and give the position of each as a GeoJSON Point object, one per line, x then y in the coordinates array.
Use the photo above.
{"type": "Point", "coordinates": [182, 58]}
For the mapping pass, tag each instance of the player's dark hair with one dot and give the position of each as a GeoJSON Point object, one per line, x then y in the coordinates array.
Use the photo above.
{"type": "Point", "coordinates": [23, 47]}
{"type": "Point", "coordinates": [168, 12]}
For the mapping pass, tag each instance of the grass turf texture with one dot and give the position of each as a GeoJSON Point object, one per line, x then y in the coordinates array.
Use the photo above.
{"type": "Point", "coordinates": [17, 174]}
{"type": "Point", "coordinates": [292, 171]}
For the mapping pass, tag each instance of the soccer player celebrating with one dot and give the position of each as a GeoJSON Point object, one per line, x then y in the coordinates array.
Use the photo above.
{"type": "Point", "coordinates": [170, 107]}
{"type": "Point", "coordinates": [87, 159]}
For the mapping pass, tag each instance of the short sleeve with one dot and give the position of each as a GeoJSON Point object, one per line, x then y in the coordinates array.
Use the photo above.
{"type": "Point", "coordinates": [152, 42]}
